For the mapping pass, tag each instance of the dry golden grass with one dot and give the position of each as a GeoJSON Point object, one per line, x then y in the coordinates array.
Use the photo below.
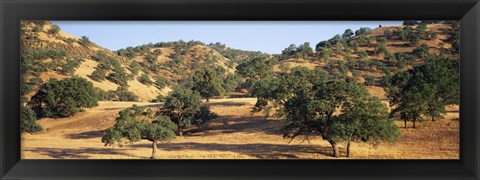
{"type": "Point", "coordinates": [236, 134]}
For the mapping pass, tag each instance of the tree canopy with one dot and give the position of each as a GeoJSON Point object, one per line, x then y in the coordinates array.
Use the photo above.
{"type": "Point", "coordinates": [184, 108]}
{"type": "Point", "coordinates": [425, 90]}
{"type": "Point", "coordinates": [138, 123]}
{"type": "Point", "coordinates": [61, 98]}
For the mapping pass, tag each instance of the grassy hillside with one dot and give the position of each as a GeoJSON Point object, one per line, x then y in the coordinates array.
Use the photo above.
{"type": "Point", "coordinates": [48, 52]}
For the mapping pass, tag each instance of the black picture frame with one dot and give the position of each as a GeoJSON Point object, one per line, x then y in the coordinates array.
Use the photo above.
{"type": "Point", "coordinates": [13, 11]}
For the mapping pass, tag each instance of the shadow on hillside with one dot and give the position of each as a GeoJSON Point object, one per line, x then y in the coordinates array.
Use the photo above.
{"type": "Point", "coordinates": [86, 135]}
{"type": "Point", "coordinates": [400, 45]}
{"type": "Point", "coordinates": [227, 103]}
{"type": "Point", "coordinates": [83, 153]}
{"type": "Point", "coordinates": [121, 108]}
{"type": "Point", "coordinates": [259, 150]}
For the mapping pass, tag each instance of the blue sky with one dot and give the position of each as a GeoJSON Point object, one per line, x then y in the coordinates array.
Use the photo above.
{"type": "Point", "coordinates": [265, 36]}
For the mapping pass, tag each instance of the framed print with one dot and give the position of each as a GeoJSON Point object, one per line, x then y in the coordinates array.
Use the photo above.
{"type": "Point", "coordinates": [239, 89]}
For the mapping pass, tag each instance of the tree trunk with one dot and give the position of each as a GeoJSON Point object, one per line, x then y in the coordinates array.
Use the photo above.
{"type": "Point", "coordinates": [334, 148]}
{"type": "Point", "coordinates": [433, 118]}
{"type": "Point", "coordinates": [208, 99]}
{"type": "Point", "coordinates": [154, 149]}
{"type": "Point", "coordinates": [180, 133]}
{"type": "Point", "coordinates": [349, 153]}
{"type": "Point", "coordinates": [405, 123]}
{"type": "Point", "coordinates": [414, 120]}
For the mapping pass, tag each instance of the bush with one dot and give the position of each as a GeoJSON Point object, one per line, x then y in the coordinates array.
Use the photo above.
{"type": "Point", "coordinates": [105, 95]}
{"type": "Point", "coordinates": [369, 80]}
{"type": "Point", "coordinates": [36, 81]}
{"type": "Point", "coordinates": [134, 67]}
{"type": "Point", "coordinates": [54, 29]}
{"type": "Point", "coordinates": [68, 68]}
{"type": "Point", "coordinates": [61, 98]}
{"type": "Point", "coordinates": [124, 95]}
{"type": "Point", "coordinates": [161, 82]}
{"type": "Point", "coordinates": [184, 108]}
{"type": "Point", "coordinates": [99, 74]}
{"type": "Point", "coordinates": [85, 41]}
{"type": "Point", "coordinates": [421, 51]}
{"type": "Point", "coordinates": [28, 121]}
{"type": "Point", "coordinates": [159, 98]}
{"type": "Point", "coordinates": [145, 79]}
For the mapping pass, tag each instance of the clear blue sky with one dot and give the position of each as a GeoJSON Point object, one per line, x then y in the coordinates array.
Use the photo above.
{"type": "Point", "coordinates": [265, 36]}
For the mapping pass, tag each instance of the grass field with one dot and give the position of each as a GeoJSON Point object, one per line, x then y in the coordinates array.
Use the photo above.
{"type": "Point", "coordinates": [236, 134]}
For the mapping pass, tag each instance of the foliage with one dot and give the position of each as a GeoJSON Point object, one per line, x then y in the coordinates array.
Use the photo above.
{"type": "Point", "coordinates": [421, 51]}
{"type": "Point", "coordinates": [99, 74]}
{"type": "Point", "coordinates": [369, 80]}
{"type": "Point", "coordinates": [68, 68]}
{"type": "Point", "coordinates": [124, 95]}
{"type": "Point", "coordinates": [183, 106]}
{"type": "Point", "coordinates": [61, 98]}
{"type": "Point", "coordinates": [137, 123]}
{"type": "Point", "coordinates": [28, 121]}
{"type": "Point", "coordinates": [105, 95]}
{"type": "Point", "coordinates": [254, 70]}
{"type": "Point", "coordinates": [54, 29]}
{"type": "Point", "coordinates": [85, 41]}
{"type": "Point", "coordinates": [145, 79]}
{"type": "Point", "coordinates": [425, 89]}
{"type": "Point", "coordinates": [161, 82]}
{"type": "Point", "coordinates": [207, 83]}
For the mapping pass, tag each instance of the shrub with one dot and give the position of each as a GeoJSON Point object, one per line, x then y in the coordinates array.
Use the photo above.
{"type": "Point", "coordinates": [161, 82]}
{"type": "Point", "coordinates": [61, 98]}
{"type": "Point", "coordinates": [124, 95]}
{"type": "Point", "coordinates": [28, 121]}
{"type": "Point", "coordinates": [99, 74]}
{"type": "Point", "coordinates": [68, 68]}
{"type": "Point", "coordinates": [145, 79]}
{"type": "Point", "coordinates": [85, 41]}
{"type": "Point", "coordinates": [184, 108]}
{"type": "Point", "coordinates": [369, 80]}
{"type": "Point", "coordinates": [54, 29]}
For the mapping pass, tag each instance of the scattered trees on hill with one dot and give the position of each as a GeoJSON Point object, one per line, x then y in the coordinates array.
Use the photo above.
{"type": "Point", "coordinates": [145, 79]}
{"type": "Point", "coordinates": [124, 95]}
{"type": "Point", "coordinates": [184, 107]}
{"type": "Point", "coordinates": [99, 74]}
{"type": "Point", "coordinates": [254, 70]}
{"type": "Point", "coordinates": [302, 51]}
{"type": "Point", "coordinates": [161, 82]}
{"type": "Point", "coordinates": [85, 41]}
{"type": "Point", "coordinates": [138, 123]}
{"type": "Point", "coordinates": [207, 83]}
{"type": "Point", "coordinates": [424, 90]}
{"type": "Point", "coordinates": [421, 51]}
{"type": "Point", "coordinates": [118, 76]}
{"type": "Point", "coordinates": [61, 98]}
{"type": "Point", "coordinates": [54, 29]}
{"type": "Point", "coordinates": [308, 101]}
{"type": "Point", "coordinates": [68, 68]}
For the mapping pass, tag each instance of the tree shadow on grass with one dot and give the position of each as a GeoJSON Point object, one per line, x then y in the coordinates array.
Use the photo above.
{"type": "Point", "coordinates": [258, 150]}
{"type": "Point", "coordinates": [82, 153]}
{"type": "Point", "coordinates": [86, 135]}
{"type": "Point", "coordinates": [227, 103]}
{"type": "Point", "coordinates": [232, 124]}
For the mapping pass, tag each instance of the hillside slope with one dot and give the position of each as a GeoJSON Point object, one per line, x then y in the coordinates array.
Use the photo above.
{"type": "Point", "coordinates": [48, 52]}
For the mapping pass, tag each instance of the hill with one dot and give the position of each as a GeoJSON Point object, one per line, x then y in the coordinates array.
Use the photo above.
{"type": "Point", "coordinates": [145, 71]}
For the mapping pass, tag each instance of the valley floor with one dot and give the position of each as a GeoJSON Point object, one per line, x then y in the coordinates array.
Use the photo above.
{"type": "Point", "coordinates": [236, 134]}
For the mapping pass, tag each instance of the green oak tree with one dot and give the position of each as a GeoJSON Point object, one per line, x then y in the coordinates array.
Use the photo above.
{"type": "Point", "coordinates": [61, 98]}
{"type": "Point", "coordinates": [138, 123]}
